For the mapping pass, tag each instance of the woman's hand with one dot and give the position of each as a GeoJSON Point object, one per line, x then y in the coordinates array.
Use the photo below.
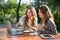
{"type": "Point", "coordinates": [39, 27]}
{"type": "Point", "coordinates": [31, 27]}
{"type": "Point", "coordinates": [29, 23]}
{"type": "Point", "coordinates": [17, 24]}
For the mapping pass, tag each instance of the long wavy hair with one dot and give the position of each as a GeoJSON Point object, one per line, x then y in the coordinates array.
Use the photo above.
{"type": "Point", "coordinates": [34, 15]}
{"type": "Point", "coordinates": [46, 12]}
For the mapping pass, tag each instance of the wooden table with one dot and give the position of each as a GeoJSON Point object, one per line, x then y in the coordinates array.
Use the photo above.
{"type": "Point", "coordinates": [4, 36]}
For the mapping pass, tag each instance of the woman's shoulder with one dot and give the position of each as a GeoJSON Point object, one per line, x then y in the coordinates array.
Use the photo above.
{"type": "Point", "coordinates": [21, 20]}
{"type": "Point", "coordinates": [51, 21]}
{"type": "Point", "coordinates": [23, 16]}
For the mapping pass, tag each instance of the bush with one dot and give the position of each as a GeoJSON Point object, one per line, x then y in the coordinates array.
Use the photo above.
{"type": "Point", "coordinates": [57, 19]}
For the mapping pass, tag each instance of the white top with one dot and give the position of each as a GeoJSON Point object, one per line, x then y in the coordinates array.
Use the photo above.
{"type": "Point", "coordinates": [22, 20]}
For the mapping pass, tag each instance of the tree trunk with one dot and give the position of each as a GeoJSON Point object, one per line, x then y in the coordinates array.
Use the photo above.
{"type": "Point", "coordinates": [18, 10]}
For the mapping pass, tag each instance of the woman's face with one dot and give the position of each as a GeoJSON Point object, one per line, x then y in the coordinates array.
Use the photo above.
{"type": "Point", "coordinates": [40, 14]}
{"type": "Point", "coordinates": [29, 13]}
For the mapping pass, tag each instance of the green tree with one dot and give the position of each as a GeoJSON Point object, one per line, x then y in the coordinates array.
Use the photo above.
{"type": "Point", "coordinates": [9, 10]}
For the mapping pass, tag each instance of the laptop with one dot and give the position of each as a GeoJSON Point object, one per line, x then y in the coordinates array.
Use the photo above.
{"type": "Point", "coordinates": [13, 31]}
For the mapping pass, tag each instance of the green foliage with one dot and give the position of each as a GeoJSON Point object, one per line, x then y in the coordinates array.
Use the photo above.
{"type": "Point", "coordinates": [8, 11]}
{"type": "Point", "coordinates": [12, 1]}
{"type": "Point", "coordinates": [22, 9]}
{"type": "Point", "coordinates": [57, 18]}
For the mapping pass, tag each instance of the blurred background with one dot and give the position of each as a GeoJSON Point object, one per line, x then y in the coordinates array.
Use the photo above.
{"type": "Point", "coordinates": [13, 9]}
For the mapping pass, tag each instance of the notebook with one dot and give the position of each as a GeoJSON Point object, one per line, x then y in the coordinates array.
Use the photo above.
{"type": "Point", "coordinates": [46, 36]}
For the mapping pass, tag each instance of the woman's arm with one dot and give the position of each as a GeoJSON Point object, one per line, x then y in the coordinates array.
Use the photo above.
{"type": "Point", "coordinates": [17, 24]}
{"type": "Point", "coordinates": [20, 22]}
{"type": "Point", "coordinates": [29, 24]}
{"type": "Point", "coordinates": [40, 27]}
{"type": "Point", "coordinates": [34, 28]}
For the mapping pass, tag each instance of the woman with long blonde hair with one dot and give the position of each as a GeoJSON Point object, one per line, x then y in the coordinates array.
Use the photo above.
{"type": "Point", "coordinates": [29, 21]}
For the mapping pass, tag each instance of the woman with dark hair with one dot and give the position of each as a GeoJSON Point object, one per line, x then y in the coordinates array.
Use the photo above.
{"type": "Point", "coordinates": [48, 25]}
